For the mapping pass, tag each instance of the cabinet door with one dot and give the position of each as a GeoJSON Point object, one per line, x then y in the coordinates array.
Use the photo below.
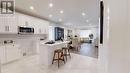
{"type": "Point", "coordinates": [8, 24]}
{"type": "Point", "coordinates": [21, 20]}
{"type": "Point", "coordinates": [2, 54]}
{"type": "Point", "coordinates": [44, 25]}
{"type": "Point", "coordinates": [25, 20]}
{"type": "Point", "coordinates": [36, 26]}
{"type": "Point", "coordinates": [12, 23]}
{"type": "Point", "coordinates": [13, 52]}
{"type": "Point", "coordinates": [2, 26]}
{"type": "Point", "coordinates": [41, 28]}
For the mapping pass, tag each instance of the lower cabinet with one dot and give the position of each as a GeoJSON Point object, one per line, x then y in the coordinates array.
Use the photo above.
{"type": "Point", "coordinates": [9, 53]}
{"type": "Point", "coordinates": [12, 52]}
{"type": "Point", "coordinates": [2, 55]}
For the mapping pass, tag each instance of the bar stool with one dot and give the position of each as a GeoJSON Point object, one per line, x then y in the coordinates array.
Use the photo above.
{"type": "Point", "coordinates": [66, 52]}
{"type": "Point", "coordinates": [59, 53]}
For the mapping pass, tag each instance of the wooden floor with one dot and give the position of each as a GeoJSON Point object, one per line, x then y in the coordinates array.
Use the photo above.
{"type": "Point", "coordinates": [87, 50]}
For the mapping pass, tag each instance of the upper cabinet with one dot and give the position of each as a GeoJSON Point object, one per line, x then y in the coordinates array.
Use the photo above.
{"type": "Point", "coordinates": [9, 23]}
{"type": "Point", "coordinates": [40, 26]}
{"type": "Point", "coordinates": [24, 20]}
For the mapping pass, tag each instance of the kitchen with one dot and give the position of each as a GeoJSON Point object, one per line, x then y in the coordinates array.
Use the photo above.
{"type": "Point", "coordinates": [12, 36]}
{"type": "Point", "coordinates": [16, 39]}
{"type": "Point", "coordinates": [28, 43]}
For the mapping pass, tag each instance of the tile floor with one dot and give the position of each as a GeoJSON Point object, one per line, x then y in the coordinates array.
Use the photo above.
{"type": "Point", "coordinates": [77, 64]}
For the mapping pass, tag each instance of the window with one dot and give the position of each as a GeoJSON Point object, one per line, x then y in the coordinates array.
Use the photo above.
{"type": "Point", "coordinates": [85, 33]}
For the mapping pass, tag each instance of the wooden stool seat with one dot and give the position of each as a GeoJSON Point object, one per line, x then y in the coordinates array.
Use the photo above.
{"type": "Point", "coordinates": [58, 50]}
{"type": "Point", "coordinates": [60, 56]}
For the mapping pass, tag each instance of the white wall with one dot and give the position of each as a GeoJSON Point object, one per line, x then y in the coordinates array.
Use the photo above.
{"type": "Point", "coordinates": [119, 50]}
{"type": "Point", "coordinates": [51, 33]}
{"type": "Point", "coordinates": [114, 54]}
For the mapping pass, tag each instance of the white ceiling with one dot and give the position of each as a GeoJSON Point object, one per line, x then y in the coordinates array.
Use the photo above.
{"type": "Point", "coordinates": [72, 11]}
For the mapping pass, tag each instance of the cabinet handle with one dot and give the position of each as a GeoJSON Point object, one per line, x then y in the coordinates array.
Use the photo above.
{"type": "Point", "coordinates": [8, 28]}
{"type": "Point", "coordinates": [5, 28]}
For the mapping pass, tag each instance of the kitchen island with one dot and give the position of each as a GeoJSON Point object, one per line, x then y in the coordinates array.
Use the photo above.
{"type": "Point", "coordinates": [47, 52]}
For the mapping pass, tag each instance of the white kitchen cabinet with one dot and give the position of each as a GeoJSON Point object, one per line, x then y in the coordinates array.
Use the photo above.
{"type": "Point", "coordinates": [24, 20]}
{"type": "Point", "coordinates": [46, 27]}
{"type": "Point", "coordinates": [12, 25]}
{"type": "Point", "coordinates": [2, 26]}
{"type": "Point", "coordinates": [12, 52]}
{"type": "Point", "coordinates": [2, 54]}
{"type": "Point", "coordinates": [36, 25]}
{"type": "Point", "coordinates": [8, 24]}
{"type": "Point", "coordinates": [40, 26]}
{"type": "Point", "coordinates": [9, 52]}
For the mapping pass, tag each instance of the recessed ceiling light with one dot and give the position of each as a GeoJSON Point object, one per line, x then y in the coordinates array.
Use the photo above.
{"type": "Point", "coordinates": [50, 15]}
{"type": "Point", "coordinates": [68, 24]}
{"type": "Point", "coordinates": [51, 5]}
{"type": "Point", "coordinates": [61, 11]}
{"type": "Point", "coordinates": [31, 7]}
{"type": "Point", "coordinates": [83, 14]}
{"type": "Point", "coordinates": [60, 20]}
{"type": "Point", "coordinates": [86, 20]}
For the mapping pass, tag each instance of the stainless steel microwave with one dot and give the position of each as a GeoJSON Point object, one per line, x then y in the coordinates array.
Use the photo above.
{"type": "Point", "coordinates": [25, 30]}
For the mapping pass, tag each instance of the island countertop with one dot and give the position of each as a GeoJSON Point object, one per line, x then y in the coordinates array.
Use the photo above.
{"type": "Point", "coordinates": [56, 43]}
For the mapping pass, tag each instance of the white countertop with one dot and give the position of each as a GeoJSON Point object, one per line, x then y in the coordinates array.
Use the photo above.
{"type": "Point", "coordinates": [56, 43]}
{"type": "Point", "coordinates": [8, 44]}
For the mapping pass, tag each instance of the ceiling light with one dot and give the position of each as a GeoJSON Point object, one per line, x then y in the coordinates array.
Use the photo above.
{"type": "Point", "coordinates": [51, 5]}
{"type": "Point", "coordinates": [68, 24]}
{"type": "Point", "coordinates": [60, 20]}
{"type": "Point", "coordinates": [83, 14]}
{"type": "Point", "coordinates": [31, 7]}
{"type": "Point", "coordinates": [50, 15]}
{"type": "Point", "coordinates": [61, 11]}
{"type": "Point", "coordinates": [86, 20]}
